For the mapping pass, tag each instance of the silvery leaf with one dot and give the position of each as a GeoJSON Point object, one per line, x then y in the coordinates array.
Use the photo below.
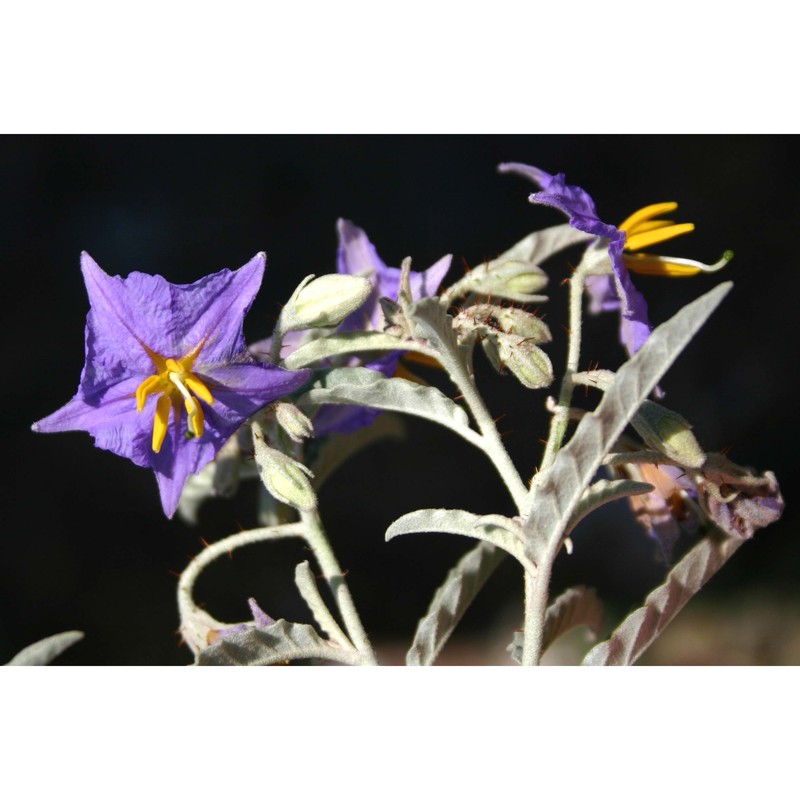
{"type": "Point", "coordinates": [41, 653]}
{"type": "Point", "coordinates": [342, 344]}
{"type": "Point", "coordinates": [359, 386]}
{"type": "Point", "coordinates": [463, 523]}
{"type": "Point", "coordinates": [555, 496]}
{"type": "Point", "coordinates": [450, 602]}
{"type": "Point", "coordinates": [275, 644]}
{"type": "Point", "coordinates": [602, 492]}
{"type": "Point", "coordinates": [641, 628]}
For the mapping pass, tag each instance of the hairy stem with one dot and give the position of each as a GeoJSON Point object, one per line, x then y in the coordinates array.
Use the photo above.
{"type": "Point", "coordinates": [332, 572]}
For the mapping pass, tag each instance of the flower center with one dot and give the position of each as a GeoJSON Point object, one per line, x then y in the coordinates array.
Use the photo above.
{"type": "Point", "coordinates": [174, 382]}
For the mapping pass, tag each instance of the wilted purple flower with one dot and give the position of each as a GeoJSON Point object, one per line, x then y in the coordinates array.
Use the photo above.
{"type": "Point", "coordinates": [663, 513]}
{"type": "Point", "coordinates": [641, 229]}
{"type": "Point", "coordinates": [155, 349]}
{"type": "Point", "coordinates": [737, 500]}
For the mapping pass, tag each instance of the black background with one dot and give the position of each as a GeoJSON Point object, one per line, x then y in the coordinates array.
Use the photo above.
{"type": "Point", "coordinates": [84, 544]}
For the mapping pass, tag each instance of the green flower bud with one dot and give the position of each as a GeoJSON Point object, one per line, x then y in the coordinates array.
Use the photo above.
{"type": "Point", "coordinates": [669, 433]}
{"type": "Point", "coordinates": [324, 302]}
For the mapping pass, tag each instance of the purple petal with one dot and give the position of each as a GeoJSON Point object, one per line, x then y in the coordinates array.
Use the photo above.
{"type": "Point", "coordinates": [579, 207]}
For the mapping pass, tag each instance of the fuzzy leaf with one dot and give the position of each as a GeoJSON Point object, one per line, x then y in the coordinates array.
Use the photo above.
{"type": "Point", "coordinates": [463, 523]}
{"type": "Point", "coordinates": [41, 653]}
{"type": "Point", "coordinates": [275, 644]}
{"type": "Point", "coordinates": [359, 386]}
{"type": "Point", "coordinates": [641, 628]}
{"type": "Point", "coordinates": [602, 492]}
{"type": "Point", "coordinates": [450, 602]}
{"type": "Point", "coordinates": [342, 344]}
{"type": "Point", "coordinates": [556, 495]}
{"type": "Point", "coordinates": [434, 324]}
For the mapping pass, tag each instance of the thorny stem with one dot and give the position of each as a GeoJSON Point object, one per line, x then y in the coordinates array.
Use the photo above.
{"type": "Point", "coordinates": [332, 572]}
{"type": "Point", "coordinates": [560, 419]}
{"type": "Point", "coordinates": [537, 586]}
{"type": "Point", "coordinates": [187, 608]}
{"type": "Point", "coordinates": [491, 442]}
{"type": "Point", "coordinates": [314, 534]}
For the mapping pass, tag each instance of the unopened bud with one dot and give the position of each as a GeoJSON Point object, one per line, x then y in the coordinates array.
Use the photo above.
{"type": "Point", "coordinates": [286, 480]}
{"type": "Point", "coordinates": [325, 301]}
{"type": "Point", "coordinates": [486, 318]}
{"type": "Point", "coordinates": [293, 421]}
{"type": "Point", "coordinates": [669, 433]}
{"type": "Point", "coordinates": [529, 364]}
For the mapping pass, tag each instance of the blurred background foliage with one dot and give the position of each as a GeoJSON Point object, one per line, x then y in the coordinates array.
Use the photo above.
{"type": "Point", "coordinates": [84, 543]}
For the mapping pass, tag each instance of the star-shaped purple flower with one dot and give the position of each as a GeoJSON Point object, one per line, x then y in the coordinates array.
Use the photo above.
{"type": "Point", "coordinates": [356, 255]}
{"type": "Point", "coordinates": [167, 378]}
{"type": "Point", "coordinates": [579, 207]}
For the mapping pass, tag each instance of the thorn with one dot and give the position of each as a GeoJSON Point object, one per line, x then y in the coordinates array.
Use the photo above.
{"type": "Point", "coordinates": [725, 450]}
{"type": "Point", "coordinates": [566, 330]}
{"type": "Point", "coordinates": [203, 541]}
{"type": "Point", "coordinates": [542, 442]}
{"type": "Point", "coordinates": [173, 573]}
{"type": "Point", "coordinates": [564, 282]}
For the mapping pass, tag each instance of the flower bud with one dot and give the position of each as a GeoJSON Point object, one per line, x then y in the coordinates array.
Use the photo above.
{"type": "Point", "coordinates": [669, 433]}
{"type": "Point", "coordinates": [293, 421]}
{"type": "Point", "coordinates": [325, 301]}
{"type": "Point", "coordinates": [486, 318]}
{"type": "Point", "coordinates": [286, 481]}
{"type": "Point", "coordinates": [529, 364]}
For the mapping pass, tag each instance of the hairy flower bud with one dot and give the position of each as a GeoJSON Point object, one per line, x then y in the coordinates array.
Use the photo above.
{"type": "Point", "coordinates": [669, 433]}
{"type": "Point", "coordinates": [529, 364]}
{"type": "Point", "coordinates": [484, 318]}
{"type": "Point", "coordinates": [293, 421]}
{"type": "Point", "coordinates": [324, 301]}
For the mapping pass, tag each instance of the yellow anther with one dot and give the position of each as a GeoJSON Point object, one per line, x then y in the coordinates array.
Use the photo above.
{"type": "Point", "coordinates": [173, 380]}
{"type": "Point", "coordinates": [645, 214]}
{"type": "Point", "coordinates": [199, 388]}
{"type": "Point", "coordinates": [637, 240]}
{"type": "Point", "coordinates": [147, 386]}
{"type": "Point", "coordinates": [160, 421]}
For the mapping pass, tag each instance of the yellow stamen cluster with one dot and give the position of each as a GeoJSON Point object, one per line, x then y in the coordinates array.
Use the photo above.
{"type": "Point", "coordinates": [642, 229]}
{"type": "Point", "coordinates": [174, 381]}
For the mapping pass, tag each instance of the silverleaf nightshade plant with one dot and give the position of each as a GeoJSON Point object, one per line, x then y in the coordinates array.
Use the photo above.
{"type": "Point", "coordinates": [169, 383]}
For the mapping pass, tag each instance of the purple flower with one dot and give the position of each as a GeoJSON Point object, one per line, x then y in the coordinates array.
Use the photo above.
{"type": "Point", "coordinates": [155, 349]}
{"type": "Point", "coordinates": [616, 291]}
{"type": "Point", "coordinates": [356, 255]}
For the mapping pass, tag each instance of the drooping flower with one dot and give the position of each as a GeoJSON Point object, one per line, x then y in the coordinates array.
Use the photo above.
{"type": "Point", "coordinates": [641, 229]}
{"type": "Point", "coordinates": [155, 350]}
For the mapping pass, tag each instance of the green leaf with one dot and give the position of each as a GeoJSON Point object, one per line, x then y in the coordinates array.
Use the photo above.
{"type": "Point", "coordinates": [642, 627]}
{"type": "Point", "coordinates": [556, 494]}
{"type": "Point", "coordinates": [343, 344]}
{"type": "Point", "coordinates": [41, 653]}
{"type": "Point", "coordinates": [359, 386]}
{"type": "Point", "coordinates": [275, 644]}
{"type": "Point", "coordinates": [451, 600]}
{"type": "Point", "coordinates": [507, 535]}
